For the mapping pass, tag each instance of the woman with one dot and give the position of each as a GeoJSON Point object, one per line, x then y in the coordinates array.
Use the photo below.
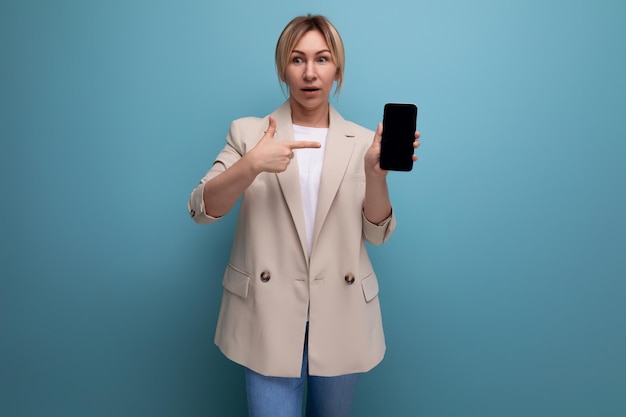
{"type": "Point", "coordinates": [300, 298]}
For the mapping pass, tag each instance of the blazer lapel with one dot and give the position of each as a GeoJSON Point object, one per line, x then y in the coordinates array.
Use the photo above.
{"type": "Point", "coordinates": [339, 148]}
{"type": "Point", "coordinates": [289, 179]}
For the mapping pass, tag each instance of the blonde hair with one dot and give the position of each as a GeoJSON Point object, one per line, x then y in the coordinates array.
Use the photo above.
{"type": "Point", "coordinates": [295, 30]}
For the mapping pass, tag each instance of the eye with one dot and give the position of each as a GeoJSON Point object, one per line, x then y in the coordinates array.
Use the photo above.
{"type": "Point", "coordinates": [323, 59]}
{"type": "Point", "coordinates": [296, 60]}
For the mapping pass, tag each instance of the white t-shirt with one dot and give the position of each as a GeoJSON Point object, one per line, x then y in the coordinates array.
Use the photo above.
{"type": "Point", "coordinates": [310, 162]}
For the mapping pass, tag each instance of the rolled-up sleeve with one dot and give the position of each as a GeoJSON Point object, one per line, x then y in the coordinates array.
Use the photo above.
{"type": "Point", "coordinates": [195, 205]}
{"type": "Point", "coordinates": [231, 153]}
{"type": "Point", "coordinates": [377, 234]}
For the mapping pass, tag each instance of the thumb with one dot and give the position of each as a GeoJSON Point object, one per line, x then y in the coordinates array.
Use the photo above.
{"type": "Point", "coordinates": [379, 133]}
{"type": "Point", "coordinates": [271, 130]}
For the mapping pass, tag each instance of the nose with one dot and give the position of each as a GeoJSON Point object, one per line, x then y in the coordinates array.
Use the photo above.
{"type": "Point", "coordinates": [309, 71]}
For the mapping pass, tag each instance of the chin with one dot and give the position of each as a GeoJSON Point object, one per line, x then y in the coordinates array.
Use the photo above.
{"type": "Point", "coordinates": [312, 102]}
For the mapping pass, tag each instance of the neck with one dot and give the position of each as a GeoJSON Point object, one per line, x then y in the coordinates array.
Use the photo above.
{"type": "Point", "coordinates": [316, 117]}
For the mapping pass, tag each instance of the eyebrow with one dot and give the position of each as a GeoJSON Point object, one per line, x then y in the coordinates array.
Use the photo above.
{"type": "Point", "coordinates": [295, 51]}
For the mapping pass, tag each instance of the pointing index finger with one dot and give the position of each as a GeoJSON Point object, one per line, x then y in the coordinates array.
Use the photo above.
{"type": "Point", "coordinates": [303, 144]}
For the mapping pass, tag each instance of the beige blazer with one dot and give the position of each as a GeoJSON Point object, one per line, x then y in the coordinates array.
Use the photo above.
{"type": "Point", "coordinates": [271, 286]}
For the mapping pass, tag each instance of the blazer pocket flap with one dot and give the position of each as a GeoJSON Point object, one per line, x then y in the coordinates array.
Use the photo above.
{"type": "Point", "coordinates": [370, 287]}
{"type": "Point", "coordinates": [236, 281]}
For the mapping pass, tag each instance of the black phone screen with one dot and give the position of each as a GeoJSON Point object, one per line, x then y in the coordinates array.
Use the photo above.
{"type": "Point", "coordinates": [399, 122]}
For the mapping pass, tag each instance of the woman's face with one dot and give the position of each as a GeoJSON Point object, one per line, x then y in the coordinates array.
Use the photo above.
{"type": "Point", "coordinates": [311, 72]}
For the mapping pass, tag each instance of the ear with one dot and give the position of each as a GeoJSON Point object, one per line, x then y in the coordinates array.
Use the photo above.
{"type": "Point", "coordinates": [337, 75]}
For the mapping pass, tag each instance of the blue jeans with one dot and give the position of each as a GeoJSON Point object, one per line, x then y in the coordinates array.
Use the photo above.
{"type": "Point", "coordinates": [270, 396]}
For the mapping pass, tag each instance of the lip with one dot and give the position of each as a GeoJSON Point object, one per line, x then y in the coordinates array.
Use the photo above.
{"type": "Point", "coordinates": [310, 93]}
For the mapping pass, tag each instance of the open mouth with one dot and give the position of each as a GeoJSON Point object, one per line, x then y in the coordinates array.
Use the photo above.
{"type": "Point", "coordinates": [310, 89]}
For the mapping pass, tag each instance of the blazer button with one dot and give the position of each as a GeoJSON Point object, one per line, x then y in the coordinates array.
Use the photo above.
{"type": "Point", "coordinates": [349, 278]}
{"type": "Point", "coordinates": [265, 276]}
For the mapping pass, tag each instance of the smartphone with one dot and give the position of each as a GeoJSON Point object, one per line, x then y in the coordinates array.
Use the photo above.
{"type": "Point", "coordinates": [396, 148]}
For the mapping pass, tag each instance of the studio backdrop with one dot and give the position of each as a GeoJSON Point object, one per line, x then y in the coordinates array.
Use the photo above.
{"type": "Point", "coordinates": [503, 288]}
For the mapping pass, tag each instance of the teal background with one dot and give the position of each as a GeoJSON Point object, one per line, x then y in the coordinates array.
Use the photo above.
{"type": "Point", "coordinates": [503, 289]}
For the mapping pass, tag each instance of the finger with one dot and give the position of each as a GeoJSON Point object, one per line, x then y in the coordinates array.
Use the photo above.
{"type": "Point", "coordinates": [379, 133]}
{"type": "Point", "coordinates": [271, 130]}
{"type": "Point", "coordinates": [303, 144]}
{"type": "Point", "coordinates": [417, 135]}
{"type": "Point", "coordinates": [416, 144]}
